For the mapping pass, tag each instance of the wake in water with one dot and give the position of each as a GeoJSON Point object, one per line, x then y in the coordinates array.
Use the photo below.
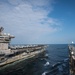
{"type": "Point", "coordinates": [44, 73]}
{"type": "Point", "coordinates": [47, 63]}
{"type": "Point", "coordinates": [60, 68]}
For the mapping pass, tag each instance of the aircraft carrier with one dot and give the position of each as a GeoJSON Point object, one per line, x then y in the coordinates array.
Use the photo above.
{"type": "Point", "coordinates": [10, 53]}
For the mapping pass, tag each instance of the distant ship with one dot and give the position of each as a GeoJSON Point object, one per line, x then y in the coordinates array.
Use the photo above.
{"type": "Point", "coordinates": [9, 54]}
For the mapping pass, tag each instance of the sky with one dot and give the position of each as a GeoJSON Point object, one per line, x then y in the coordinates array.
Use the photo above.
{"type": "Point", "coordinates": [39, 21]}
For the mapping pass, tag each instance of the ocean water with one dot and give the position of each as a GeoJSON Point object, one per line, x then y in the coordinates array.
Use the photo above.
{"type": "Point", "coordinates": [55, 62]}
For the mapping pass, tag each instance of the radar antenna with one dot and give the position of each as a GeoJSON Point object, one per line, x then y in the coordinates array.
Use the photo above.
{"type": "Point", "coordinates": [1, 29]}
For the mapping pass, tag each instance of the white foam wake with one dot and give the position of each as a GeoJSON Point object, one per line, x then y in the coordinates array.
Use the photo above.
{"type": "Point", "coordinates": [44, 73]}
{"type": "Point", "coordinates": [47, 63]}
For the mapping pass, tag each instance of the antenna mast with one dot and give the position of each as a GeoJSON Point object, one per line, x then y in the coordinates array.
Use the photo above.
{"type": "Point", "coordinates": [1, 29]}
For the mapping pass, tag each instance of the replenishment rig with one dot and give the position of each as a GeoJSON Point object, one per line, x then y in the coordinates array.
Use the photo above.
{"type": "Point", "coordinates": [9, 54]}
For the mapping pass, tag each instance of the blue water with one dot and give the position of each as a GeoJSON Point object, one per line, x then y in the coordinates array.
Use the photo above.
{"type": "Point", "coordinates": [55, 62]}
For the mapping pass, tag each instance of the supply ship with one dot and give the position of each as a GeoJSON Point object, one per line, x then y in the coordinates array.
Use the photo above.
{"type": "Point", "coordinates": [72, 59]}
{"type": "Point", "coordinates": [10, 53]}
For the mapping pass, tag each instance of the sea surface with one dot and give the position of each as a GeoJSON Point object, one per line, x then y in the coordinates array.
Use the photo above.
{"type": "Point", "coordinates": [55, 62]}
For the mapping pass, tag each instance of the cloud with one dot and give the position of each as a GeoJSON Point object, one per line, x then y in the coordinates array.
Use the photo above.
{"type": "Point", "coordinates": [28, 19]}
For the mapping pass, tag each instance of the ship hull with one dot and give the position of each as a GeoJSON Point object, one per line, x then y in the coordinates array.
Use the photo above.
{"type": "Point", "coordinates": [22, 56]}
{"type": "Point", "coordinates": [15, 65]}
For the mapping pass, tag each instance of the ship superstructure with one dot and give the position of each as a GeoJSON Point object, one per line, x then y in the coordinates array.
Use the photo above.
{"type": "Point", "coordinates": [10, 54]}
{"type": "Point", "coordinates": [4, 42]}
